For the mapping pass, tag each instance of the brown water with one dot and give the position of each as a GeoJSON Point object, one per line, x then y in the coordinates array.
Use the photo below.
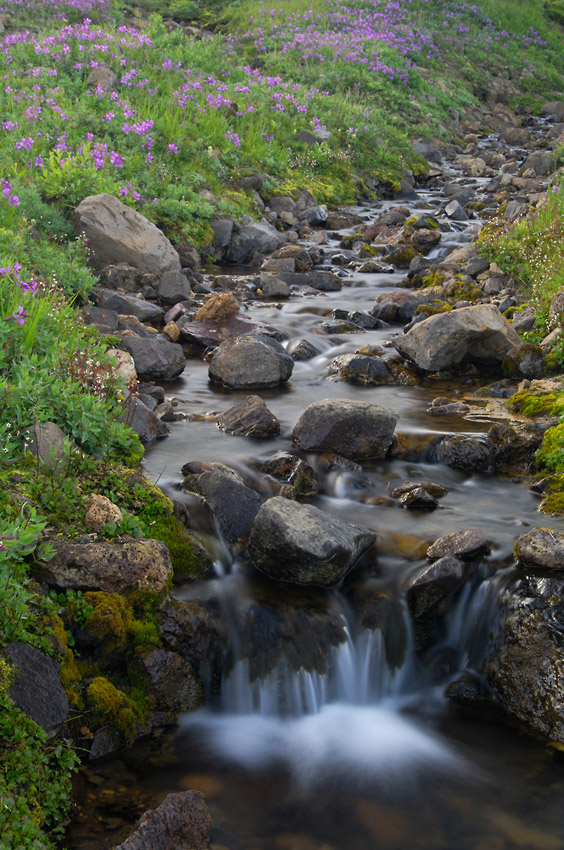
{"type": "Point", "coordinates": [368, 753]}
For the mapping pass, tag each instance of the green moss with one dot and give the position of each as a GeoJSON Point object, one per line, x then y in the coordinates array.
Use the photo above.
{"type": "Point", "coordinates": [551, 453]}
{"type": "Point", "coordinates": [186, 561]}
{"type": "Point", "coordinates": [432, 309]}
{"type": "Point", "coordinates": [532, 404]}
{"type": "Point", "coordinates": [110, 621]}
{"type": "Point", "coordinates": [111, 706]}
{"type": "Point", "coordinates": [69, 674]}
{"type": "Point", "coordinates": [434, 278]}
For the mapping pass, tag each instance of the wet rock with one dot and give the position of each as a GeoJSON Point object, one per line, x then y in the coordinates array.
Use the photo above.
{"type": "Point", "coordinates": [216, 307]}
{"type": "Point", "coordinates": [259, 237]}
{"type": "Point", "coordinates": [465, 545]}
{"type": "Point", "coordinates": [315, 216]}
{"type": "Point", "coordinates": [174, 287]}
{"type": "Point", "coordinates": [478, 335]}
{"type": "Point", "coordinates": [420, 495]}
{"type": "Point", "coordinates": [445, 407]}
{"type": "Point", "coordinates": [117, 567]}
{"type": "Point", "coordinates": [210, 333]}
{"type": "Point", "coordinates": [361, 369]}
{"type": "Point", "coordinates": [303, 545]}
{"type": "Point", "coordinates": [323, 281]}
{"type": "Point", "coordinates": [127, 305]}
{"type": "Point", "coordinates": [524, 660]}
{"type": "Point", "coordinates": [464, 452]}
{"type": "Point", "coordinates": [435, 584]}
{"type": "Point", "coordinates": [354, 429]}
{"type": "Point", "coordinates": [143, 420]}
{"type": "Point", "coordinates": [118, 234]}
{"type": "Point", "coordinates": [233, 505]}
{"type": "Point", "coordinates": [197, 630]}
{"type": "Point", "coordinates": [540, 548]}
{"type": "Point", "coordinates": [274, 287]}
{"type": "Point", "coordinates": [250, 418]}
{"type": "Point", "coordinates": [300, 255]}
{"type": "Point", "coordinates": [99, 511]}
{"type": "Point", "coordinates": [36, 688]}
{"type": "Point", "coordinates": [222, 232]}
{"type": "Point", "coordinates": [436, 490]}
{"type": "Point", "coordinates": [181, 822]}
{"type": "Point", "coordinates": [250, 361]}
{"type": "Point", "coordinates": [176, 688]}
{"type": "Point", "coordinates": [456, 211]}
{"type": "Point", "coordinates": [293, 471]}
{"type": "Point", "coordinates": [156, 359]}
{"type": "Point", "coordinates": [302, 349]}
{"type": "Point", "coordinates": [400, 305]}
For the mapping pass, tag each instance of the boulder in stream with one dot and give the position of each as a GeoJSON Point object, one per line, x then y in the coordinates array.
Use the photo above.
{"type": "Point", "coordinates": [250, 361]}
{"type": "Point", "coordinates": [181, 822]}
{"type": "Point", "coordinates": [303, 545]}
{"type": "Point", "coordinates": [250, 418]}
{"type": "Point", "coordinates": [541, 549]}
{"type": "Point", "coordinates": [478, 335]}
{"type": "Point", "coordinates": [233, 505]}
{"type": "Point", "coordinates": [354, 429]}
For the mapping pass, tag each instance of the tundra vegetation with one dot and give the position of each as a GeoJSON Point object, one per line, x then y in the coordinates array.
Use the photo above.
{"type": "Point", "coordinates": [189, 119]}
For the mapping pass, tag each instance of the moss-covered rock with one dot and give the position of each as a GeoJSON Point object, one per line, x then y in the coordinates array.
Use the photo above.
{"type": "Point", "coordinates": [110, 706]}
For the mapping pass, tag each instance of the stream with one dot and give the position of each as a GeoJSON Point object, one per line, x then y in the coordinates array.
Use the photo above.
{"type": "Point", "coordinates": [331, 729]}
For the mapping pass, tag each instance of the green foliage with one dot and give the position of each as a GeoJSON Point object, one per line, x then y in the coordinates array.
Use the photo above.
{"type": "Point", "coordinates": [551, 453]}
{"type": "Point", "coordinates": [35, 778]}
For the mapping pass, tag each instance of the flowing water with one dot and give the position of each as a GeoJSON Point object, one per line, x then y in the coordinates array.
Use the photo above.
{"type": "Point", "coordinates": [330, 731]}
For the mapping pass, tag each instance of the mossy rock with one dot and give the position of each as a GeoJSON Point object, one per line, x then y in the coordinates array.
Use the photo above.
{"type": "Point", "coordinates": [551, 453]}
{"type": "Point", "coordinates": [432, 309]}
{"type": "Point", "coordinates": [107, 628]}
{"type": "Point", "coordinates": [69, 674]}
{"type": "Point", "coordinates": [110, 706]}
{"type": "Point", "coordinates": [188, 556]}
{"type": "Point", "coordinates": [534, 404]}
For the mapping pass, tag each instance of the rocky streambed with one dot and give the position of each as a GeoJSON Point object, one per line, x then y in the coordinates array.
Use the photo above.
{"type": "Point", "coordinates": [339, 445]}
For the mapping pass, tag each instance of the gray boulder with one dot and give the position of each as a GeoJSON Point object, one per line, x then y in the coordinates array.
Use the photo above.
{"type": "Point", "coordinates": [250, 418]}
{"type": "Point", "coordinates": [435, 584]}
{"type": "Point", "coordinates": [117, 567]}
{"type": "Point", "coordinates": [540, 548]}
{"type": "Point", "coordinates": [143, 420]}
{"type": "Point", "coordinates": [478, 335]}
{"type": "Point", "coordinates": [155, 358]}
{"type": "Point", "coordinates": [465, 545]}
{"type": "Point", "coordinates": [173, 680]}
{"type": "Point", "coordinates": [250, 361]}
{"type": "Point", "coordinates": [233, 505]}
{"type": "Point", "coordinates": [354, 429]}
{"type": "Point", "coordinates": [259, 237]}
{"type": "Point", "coordinates": [465, 452]}
{"type": "Point", "coordinates": [127, 305]}
{"type": "Point", "coordinates": [181, 822]}
{"type": "Point", "coordinates": [36, 688]}
{"type": "Point", "coordinates": [303, 545]}
{"type": "Point", "coordinates": [362, 369]}
{"type": "Point", "coordinates": [174, 287]}
{"type": "Point", "coordinates": [118, 234]}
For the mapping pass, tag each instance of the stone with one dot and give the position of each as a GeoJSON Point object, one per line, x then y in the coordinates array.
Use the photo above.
{"type": "Point", "coordinates": [555, 107]}
{"type": "Point", "coordinates": [125, 366]}
{"type": "Point", "coordinates": [479, 335]}
{"type": "Point", "coordinates": [176, 687]}
{"type": "Point", "coordinates": [103, 78]}
{"type": "Point", "coordinates": [127, 305]}
{"type": "Point", "coordinates": [216, 307]}
{"type": "Point", "coordinates": [156, 359]}
{"type": "Point", "coordinates": [210, 333]}
{"type": "Point", "coordinates": [99, 511]}
{"type": "Point", "coordinates": [124, 277]}
{"type": "Point", "coordinates": [36, 688]}
{"type": "Point", "coordinates": [435, 584]}
{"type": "Point", "coordinates": [298, 253]}
{"type": "Point", "coordinates": [462, 451]}
{"type": "Point", "coordinates": [274, 287]}
{"type": "Point", "coordinates": [400, 305]}
{"type": "Point", "coordinates": [222, 232]}
{"type": "Point", "coordinates": [303, 545]}
{"type": "Point", "coordinates": [456, 211]}
{"type": "Point", "coordinates": [98, 316]}
{"type": "Point", "coordinates": [181, 822]}
{"type": "Point", "coordinates": [524, 361]}
{"type": "Point", "coordinates": [173, 288]}
{"type": "Point", "coordinates": [171, 331]}
{"type": "Point", "coordinates": [282, 203]}
{"type": "Point", "coordinates": [250, 418]}
{"type": "Point", "coordinates": [323, 281]}
{"type": "Point", "coordinates": [354, 429]}
{"type": "Point", "coordinates": [302, 349]}
{"type": "Point", "coordinates": [292, 471]}
{"type": "Point", "coordinates": [117, 567]}
{"type": "Point", "coordinates": [250, 361]}
{"type": "Point", "coordinates": [259, 237]}
{"type": "Point", "coordinates": [233, 505]}
{"type": "Point", "coordinates": [314, 216]}
{"type": "Point", "coordinates": [541, 162]}
{"type": "Point", "coordinates": [362, 369]}
{"type": "Point", "coordinates": [425, 148]}
{"type": "Point", "coordinates": [541, 548]}
{"type": "Point", "coordinates": [117, 233]}
{"type": "Point", "coordinates": [47, 442]}
{"type": "Point", "coordinates": [465, 545]}
{"type": "Point", "coordinates": [142, 419]}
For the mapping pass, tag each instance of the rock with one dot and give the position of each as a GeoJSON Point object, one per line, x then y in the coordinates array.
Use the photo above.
{"type": "Point", "coordinates": [478, 335]}
{"type": "Point", "coordinates": [174, 287]}
{"type": "Point", "coordinates": [250, 418]}
{"type": "Point", "coordinates": [342, 220]}
{"type": "Point", "coordinates": [303, 545]}
{"type": "Point", "coordinates": [250, 361]}
{"type": "Point", "coordinates": [524, 320]}
{"type": "Point", "coordinates": [102, 78]}
{"type": "Point", "coordinates": [181, 822]}
{"type": "Point", "coordinates": [47, 442]}
{"type": "Point", "coordinates": [99, 511]}
{"type": "Point", "coordinates": [125, 367]}
{"type": "Point", "coordinates": [117, 567]}
{"type": "Point", "coordinates": [127, 305]}
{"type": "Point", "coordinates": [541, 162]}
{"type": "Point", "coordinates": [189, 255]}
{"type": "Point", "coordinates": [435, 584]}
{"type": "Point", "coordinates": [36, 688]}
{"type": "Point", "coordinates": [216, 307]}
{"type": "Point", "coordinates": [524, 659]}
{"type": "Point", "coordinates": [233, 505]}
{"type": "Point", "coordinates": [323, 281]}
{"type": "Point", "coordinates": [125, 277]}
{"type": "Point", "coordinates": [293, 472]}
{"type": "Point", "coordinates": [210, 333]}
{"type": "Point", "coordinates": [315, 216]}
{"type": "Point", "coordinates": [302, 349]}
{"type": "Point", "coordinates": [260, 237]}
{"type": "Point", "coordinates": [118, 234]}
{"type": "Point", "coordinates": [465, 545]}
{"type": "Point", "coordinates": [97, 316]}
{"type": "Point", "coordinates": [171, 331]}
{"type": "Point", "coordinates": [436, 490]}
{"type": "Point", "coordinates": [361, 369]}
{"type": "Point", "coordinates": [456, 211]}
{"type": "Point", "coordinates": [173, 680]}
{"type": "Point", "coordinates": [156, 359]}
{"type": "Point", "coordinates": [222, 232]}
{"type": "Point", "coordinates": [198, 631]}
{"type": "Point", "coordinates": [555, 107]}
{"type": "Point", "coordinates": [400, 305]}
{"type": "Point", "coordinates": [282, 203]}
{"type": "Point", "coordinates": [540, 548]}
{"type": "Point", "coordinates": [354, 429]}
{"type": "Point", "coordinates": [524, 361]}
{"type": "Point", "coordinates": [464, 452]}
{"type": "Point", "coordinates": [300, 255]}
{"type": "Point", "coordinates": [274, 287]}
{"type": "Point", "coordinates": [425, 148]}
{"type": "Point", "coordinates": [143, 420]}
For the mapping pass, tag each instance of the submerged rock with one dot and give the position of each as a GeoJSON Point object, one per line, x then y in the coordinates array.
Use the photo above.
{"type": "Point", "coordinates": [301, 544]}
{"type": "Point", "coordinates": [354, 429]}
{"type": "Point", "coordinates": [478, 335]}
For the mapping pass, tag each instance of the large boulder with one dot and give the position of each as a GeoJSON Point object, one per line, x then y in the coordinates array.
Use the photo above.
{"type": "Point", "coordinates": [250, 361]}
{"type": "Point", "coordinates": [354, 429]}
{"type": "Point", "coordinates": [524, 658]}
{"type": "Point", "coordinates": [541, 549]}
{"type": "Point", "coordinates": [119, 567]}
{"type": "Point", "coordinates": [479, 335]}
{"type": "Point", "coordinates": [303, 545]}
{"type": "Point", "coordinates": [127, 305]}
{"type": "Point", "coordinates": [118, 234]}
{"type": "Point", "coordinates": [233, 505]}
{"type": "Point", "coordinates": [36, 688]}
{"type": "Point", "coordinates": [173, 681]}
{"type": "Point", "coordinates": [181, 822]}
{"type": "Point", "coordinates": [155, 358]}
{"type": "Point", "coordinates": [259, 237]}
